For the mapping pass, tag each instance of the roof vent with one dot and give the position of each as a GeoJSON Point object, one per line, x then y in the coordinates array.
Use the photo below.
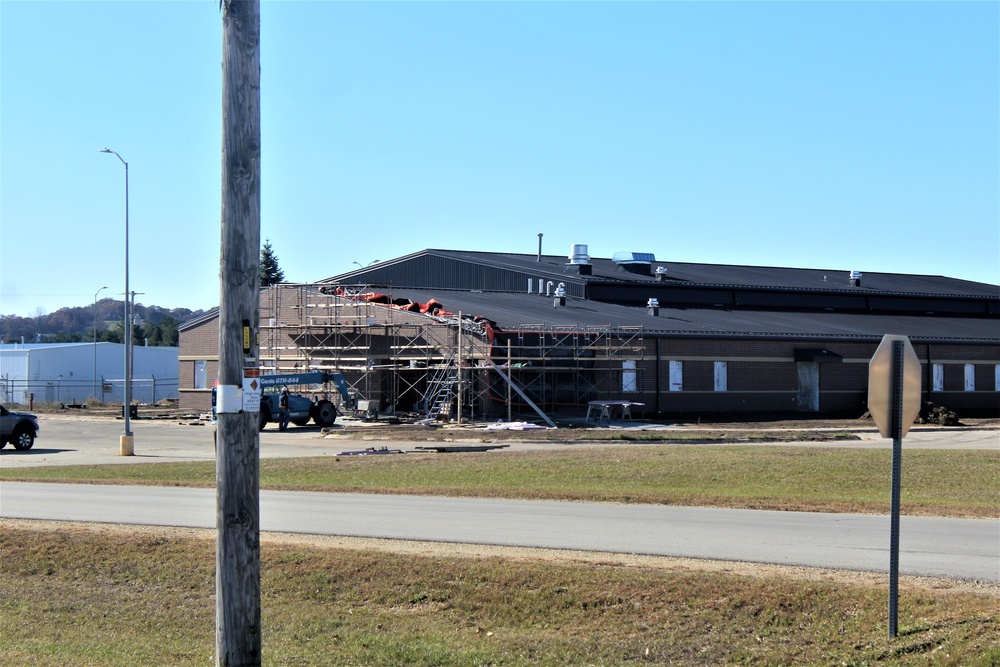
{"type": "Point", "coordinates": [560, 297]}
{"type": "Point", "coordinates": [578, 254]}
{"type": "Point", "coordinates": [653, 307]}
{"type": "Point", "coordinates": [640, 263]}
{"type": "Point", "coordinates": [661, 273]}
{"type": "Point", "coordinates": [855, 279]}
{"type": "Point", "coordinates": [579, 260]}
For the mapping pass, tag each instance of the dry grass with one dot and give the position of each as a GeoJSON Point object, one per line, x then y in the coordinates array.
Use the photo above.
{"type": "Point", "coordinates": [83, 597]}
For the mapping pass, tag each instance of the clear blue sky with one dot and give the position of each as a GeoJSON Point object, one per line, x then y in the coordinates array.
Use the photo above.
{"type": "Point", "coordinates": [842, 136]}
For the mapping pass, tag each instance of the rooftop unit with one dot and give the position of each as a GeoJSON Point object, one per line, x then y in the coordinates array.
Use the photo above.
{"type": "Point", "coordinates": [639, 263]}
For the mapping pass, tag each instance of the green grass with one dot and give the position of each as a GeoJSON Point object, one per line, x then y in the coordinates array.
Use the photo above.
{"type": "Point", "coordinates": [814, 478]}
{"type": "Point", "coordinates": [97, 597]}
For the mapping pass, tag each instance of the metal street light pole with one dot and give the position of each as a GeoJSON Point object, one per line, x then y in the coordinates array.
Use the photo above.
{"type": "Point", "coordinates": [126, 444]}
{"type": "Point", "coordinates": [95, 338]}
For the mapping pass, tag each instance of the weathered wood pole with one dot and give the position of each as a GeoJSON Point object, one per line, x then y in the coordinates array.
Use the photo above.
{"type": "Point", "coordinates": [237, 562]}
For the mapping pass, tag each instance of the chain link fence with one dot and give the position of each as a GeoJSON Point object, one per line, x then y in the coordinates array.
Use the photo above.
{"type": "Point", "coordinates": [147, 390]}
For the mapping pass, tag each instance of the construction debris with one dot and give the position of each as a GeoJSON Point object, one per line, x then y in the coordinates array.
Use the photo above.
{"type": "Point", "coordinates": [445, 449]}
{"type": "Point", "coordinates": [514, 426]}
{"type": "Point", "coordinates": [370, 451]}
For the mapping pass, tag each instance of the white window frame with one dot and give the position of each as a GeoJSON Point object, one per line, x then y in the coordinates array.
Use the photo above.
{"type": "Point", "coordinates": [676, 375]}
{"type": "Point", "coordinates": [721, 376]}
{"type": "Point", "coordinates": [201, 374]}
{"type": "Point", "coordinates": [937, 377]}
{"type": "Point", "coordinates": [630, 377]}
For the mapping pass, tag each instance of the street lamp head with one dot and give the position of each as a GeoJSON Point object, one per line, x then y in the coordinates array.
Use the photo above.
{"type": "Point", "coordinates": [115, 153]}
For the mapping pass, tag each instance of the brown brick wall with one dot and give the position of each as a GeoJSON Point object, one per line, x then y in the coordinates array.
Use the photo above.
{"type": "Point", "coordinates": [762, 374]}
{"type": "Point", "coordinates": [200, 342]}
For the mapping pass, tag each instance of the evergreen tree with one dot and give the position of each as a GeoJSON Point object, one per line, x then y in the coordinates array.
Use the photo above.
{"type": "Point", "coordinates": [270, 272]}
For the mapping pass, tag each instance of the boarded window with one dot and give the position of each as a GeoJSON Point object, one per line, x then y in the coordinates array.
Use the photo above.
{"type": "Point", "coordinates": [721, 376]}
{"type": "Point", "coordinates": [808, 395]}
{"type": "Point", "coordinates": [676, 375]}
{"type": "Point", "coordinates": [629, 379]}
{"type": "Point", "coordinates": [937, 377]}
{"type": "Point", "coordinates": [199, 374]}
{"type": "Point", "coordinates": [970, 377]}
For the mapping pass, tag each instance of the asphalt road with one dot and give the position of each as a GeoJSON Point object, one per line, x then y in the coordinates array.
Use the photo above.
{"type": "Point", "coordinates": [937, 547]}
{"type": "Point", "coordinates": [948, 548]}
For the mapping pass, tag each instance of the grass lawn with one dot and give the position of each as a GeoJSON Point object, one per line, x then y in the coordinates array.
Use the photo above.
{"type": "Point", "coordinates": [959, 483]}
{"type": "Point", "coordinates": [106, 597]}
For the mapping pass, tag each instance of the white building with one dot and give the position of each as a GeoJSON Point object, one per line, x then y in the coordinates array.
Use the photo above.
{"type": "Point", "coordinates": [72, 373]}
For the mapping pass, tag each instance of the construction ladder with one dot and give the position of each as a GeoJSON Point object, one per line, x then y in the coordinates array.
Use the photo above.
{"type": "Point", "coordinates": [440, 389]}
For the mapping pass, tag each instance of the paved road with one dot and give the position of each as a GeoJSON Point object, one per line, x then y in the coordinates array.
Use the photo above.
{"type": "Point", "coordinates": [949, 548]}
{"type": "Point", "coordinates": [933, 547]}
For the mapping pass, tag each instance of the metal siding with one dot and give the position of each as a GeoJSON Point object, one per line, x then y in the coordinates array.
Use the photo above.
{"type": "Point", "coordinates": [760, 299]}
{"type": "Point", "coordinates": [928, 305]}
{"type": "Point", "coordinates": [434, 272]}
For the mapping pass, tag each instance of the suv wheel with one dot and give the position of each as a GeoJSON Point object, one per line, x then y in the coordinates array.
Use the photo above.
{"type": "Point", "coordinates": [23, 439]}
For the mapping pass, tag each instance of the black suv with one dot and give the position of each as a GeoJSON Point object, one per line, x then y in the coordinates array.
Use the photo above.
{"type": "Point", "coordinates": [17, 428]}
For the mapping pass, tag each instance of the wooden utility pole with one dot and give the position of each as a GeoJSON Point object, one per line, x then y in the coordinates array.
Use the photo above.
{"type": "Point", "coordinates": [237, 561]}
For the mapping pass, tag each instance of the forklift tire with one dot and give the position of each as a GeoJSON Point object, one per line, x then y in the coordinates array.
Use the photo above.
{"type": "Point", "coordinates": [263, 417]}
{"type": "Point", "coordinates": [324, 414]}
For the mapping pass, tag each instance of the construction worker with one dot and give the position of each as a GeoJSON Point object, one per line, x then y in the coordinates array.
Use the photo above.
{"type": "Point", "coordinates": [283, 409]}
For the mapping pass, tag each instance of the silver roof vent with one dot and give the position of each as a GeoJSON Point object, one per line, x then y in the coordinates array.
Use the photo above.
{"type": "Point", "coordinates": [579, 260]}
{"type": "Point", "coordinates": [578, 254]}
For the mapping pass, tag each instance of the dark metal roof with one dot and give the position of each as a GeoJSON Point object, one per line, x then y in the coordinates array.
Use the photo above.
{"type": "Point", "coordinates": [513, 311]}
{"type": "Point", "coordinates": [558, 269]}
{"type": "Point", "coordinates": [686, 285]}
{"type": "Point", "coordinates": [211, 314]}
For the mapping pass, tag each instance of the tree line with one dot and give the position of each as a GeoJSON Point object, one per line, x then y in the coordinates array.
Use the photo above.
{"type": "Point", "coordinates": [154, 326]}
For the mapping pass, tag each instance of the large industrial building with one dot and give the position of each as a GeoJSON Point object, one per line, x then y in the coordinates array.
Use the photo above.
{"type": "Point", "coordinates": [73, 373]}
{"type": "Point", "coordinates": [492, 335]}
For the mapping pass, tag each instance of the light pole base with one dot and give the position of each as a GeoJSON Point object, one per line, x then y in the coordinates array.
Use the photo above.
{"type": "Point", "coordinates": [126, 445]}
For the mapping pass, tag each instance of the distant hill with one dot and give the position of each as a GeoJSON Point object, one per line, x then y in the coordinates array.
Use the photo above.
{"type": "Point", "coordinates": [153, 325]}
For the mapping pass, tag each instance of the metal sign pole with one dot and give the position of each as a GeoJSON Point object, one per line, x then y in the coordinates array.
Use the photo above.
{"type": "Point", "coordinates": [896, 415]}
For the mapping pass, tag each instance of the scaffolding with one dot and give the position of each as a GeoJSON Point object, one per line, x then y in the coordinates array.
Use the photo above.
{"type": "Point", "coordinates": [441, 363]}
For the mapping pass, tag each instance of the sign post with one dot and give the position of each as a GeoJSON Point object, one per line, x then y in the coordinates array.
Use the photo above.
{"type": "Point", "coordinates": [894, 402]}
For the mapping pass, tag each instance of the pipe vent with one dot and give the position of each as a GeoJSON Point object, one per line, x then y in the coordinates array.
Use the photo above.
{"type": "Point", "coordinates": [560, 295]}
{"type": "Point", "coordinates": [855, 279]}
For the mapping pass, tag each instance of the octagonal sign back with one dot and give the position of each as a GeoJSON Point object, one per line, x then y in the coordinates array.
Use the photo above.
{"type": "Point", "coordinates": [880, 386]}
